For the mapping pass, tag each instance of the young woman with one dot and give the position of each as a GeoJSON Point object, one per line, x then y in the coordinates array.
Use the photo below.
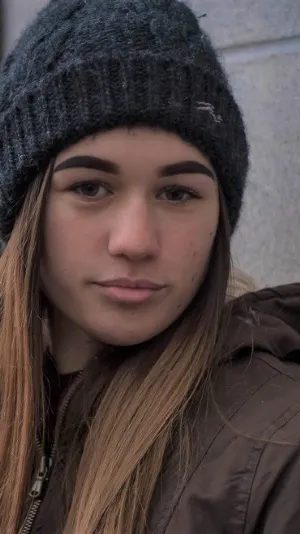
{"type": "Point", "coordinates": [135, 395]}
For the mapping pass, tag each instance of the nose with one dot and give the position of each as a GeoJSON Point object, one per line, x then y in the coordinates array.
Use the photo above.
{"type": "Point", "coordinates": [133, 233]}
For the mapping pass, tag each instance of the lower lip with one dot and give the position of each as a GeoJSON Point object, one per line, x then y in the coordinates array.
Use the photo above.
{"type": "Point", "coordinates": [127, 294]}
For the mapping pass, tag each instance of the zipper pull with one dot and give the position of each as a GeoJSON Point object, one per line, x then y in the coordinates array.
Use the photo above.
{"type": "Point", "coordinates": [38, 485]}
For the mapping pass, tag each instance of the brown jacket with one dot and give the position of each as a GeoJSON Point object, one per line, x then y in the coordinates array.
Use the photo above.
{"type": "Point", "coordinates": [244, 476]}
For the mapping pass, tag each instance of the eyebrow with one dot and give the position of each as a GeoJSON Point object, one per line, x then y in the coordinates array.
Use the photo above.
{"type": "Point", "coordinates": [88, 162]}
{"type": "Point", "coordinates": [186, 167]}
{"type": "Point", "coordinates": [104, 165]}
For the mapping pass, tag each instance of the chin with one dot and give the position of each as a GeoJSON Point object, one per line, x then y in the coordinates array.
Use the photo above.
{"type": "Point", "coordinates": [124, 339]}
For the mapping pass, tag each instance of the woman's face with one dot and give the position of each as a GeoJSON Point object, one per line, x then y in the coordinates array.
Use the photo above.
{"type": "Point", "coordinates": [130, 221]}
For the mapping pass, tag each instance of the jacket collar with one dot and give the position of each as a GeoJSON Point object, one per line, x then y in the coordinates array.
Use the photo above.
{"type": "Point", "coordinates": [267, 320]}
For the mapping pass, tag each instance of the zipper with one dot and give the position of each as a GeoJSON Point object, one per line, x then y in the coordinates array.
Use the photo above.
{"type": "Point", "coordinates": [46, 463]}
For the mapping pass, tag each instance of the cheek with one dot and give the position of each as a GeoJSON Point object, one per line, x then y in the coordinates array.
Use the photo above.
{"type": "Point", "coordinates": [188, 254]}
{"type": "Point", "coordinates": [69, 238]}
{"type": "Point", "coordinates": [64, 249]}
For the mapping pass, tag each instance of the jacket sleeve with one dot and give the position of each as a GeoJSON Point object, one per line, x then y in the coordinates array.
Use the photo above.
{"type": "Point", "coordinates": [274, 504]}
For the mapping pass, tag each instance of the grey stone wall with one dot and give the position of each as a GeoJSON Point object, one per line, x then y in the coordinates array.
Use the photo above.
{"type": "Point", "coordinates": [260, 43]}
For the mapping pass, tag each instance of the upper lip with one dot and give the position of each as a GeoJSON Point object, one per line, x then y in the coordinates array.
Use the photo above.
{"type": "Point", "coordinates": [131, 284]}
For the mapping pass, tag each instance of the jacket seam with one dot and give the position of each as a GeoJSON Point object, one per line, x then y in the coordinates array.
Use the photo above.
{"type": "Point", "coordinates": [258, 448]}
{"type": "Point", "coordinates": [249, 473]}
{"type": "Point", "coordinates": [184, 489]}
{"type": "Point", "coordinates": [260, 356]}
{"type": "Point", "coordinates": [288, 416]}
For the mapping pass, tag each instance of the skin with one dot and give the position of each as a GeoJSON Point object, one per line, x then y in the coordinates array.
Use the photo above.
{"type": "Point", "coordinates": [141, 221]}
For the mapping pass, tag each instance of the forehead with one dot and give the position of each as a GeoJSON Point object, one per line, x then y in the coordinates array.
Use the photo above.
{"type": "Point", "coordinates": [152, 146]}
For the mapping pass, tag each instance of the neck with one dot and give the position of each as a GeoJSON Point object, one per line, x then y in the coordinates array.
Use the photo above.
{"type": "Point", "coordinates": [71, 347]}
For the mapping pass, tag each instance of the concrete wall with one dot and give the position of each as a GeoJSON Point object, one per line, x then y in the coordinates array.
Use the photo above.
{"type": "Point", "coordinates": [260, 41]}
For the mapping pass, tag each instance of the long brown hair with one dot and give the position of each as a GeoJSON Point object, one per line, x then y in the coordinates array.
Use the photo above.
{"type": "Point", "coordinates": [144, 400]}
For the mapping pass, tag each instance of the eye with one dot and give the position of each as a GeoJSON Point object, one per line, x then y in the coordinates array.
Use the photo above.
{"type": "Point", "coordinates": [178, 194]}
{"type": "Point", "coordinates": [91, 190]}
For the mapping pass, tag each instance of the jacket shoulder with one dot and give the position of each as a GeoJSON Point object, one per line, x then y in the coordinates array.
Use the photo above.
{"type": "Point", "coordinates": [244, 447]}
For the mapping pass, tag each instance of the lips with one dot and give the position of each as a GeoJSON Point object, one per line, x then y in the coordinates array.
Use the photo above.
{"type": "Point", "coordinates": [131, 284]}
{"type": "Point", "coordinates": [128, 291]}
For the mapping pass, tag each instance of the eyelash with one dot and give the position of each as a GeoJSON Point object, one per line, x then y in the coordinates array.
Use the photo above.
{"type": "Point", "coordinates": [180, 188]}
{"type": "Point", "coordinates": [75, 188]}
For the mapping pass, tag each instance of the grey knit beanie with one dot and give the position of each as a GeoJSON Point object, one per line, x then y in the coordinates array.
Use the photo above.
{"type": "Point", "coordinates": [89, 65]}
